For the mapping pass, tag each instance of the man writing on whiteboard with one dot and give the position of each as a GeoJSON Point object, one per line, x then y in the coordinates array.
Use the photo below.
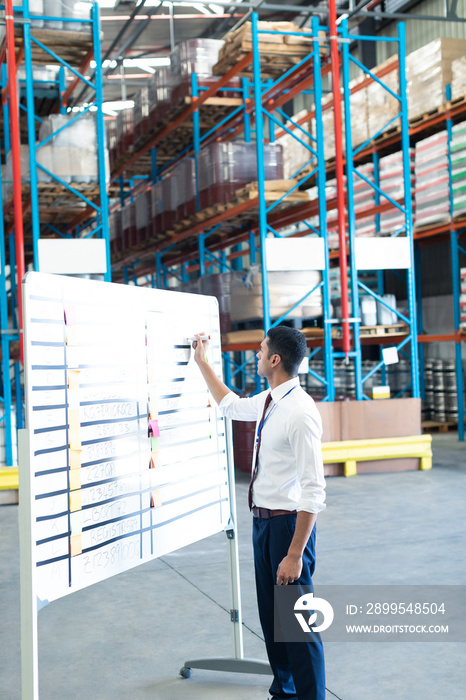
{"type": "Point", "coordinates": [287, 491]}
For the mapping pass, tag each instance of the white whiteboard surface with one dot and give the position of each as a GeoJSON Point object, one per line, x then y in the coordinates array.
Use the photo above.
{"type": "Point", "coordinates": [295, 254]}
{"type": "Point", "coordinates": [382, 253]}
{"type": "Point", "coordinates": [72, 256]}
{"type": "Point", "coordinates": [101, 361]}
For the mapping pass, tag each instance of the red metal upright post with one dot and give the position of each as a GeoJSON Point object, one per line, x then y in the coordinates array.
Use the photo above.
{"type": "Point", "coordinates": [339, 174]}
{"type": "Point", "coordinates": [16, 160]}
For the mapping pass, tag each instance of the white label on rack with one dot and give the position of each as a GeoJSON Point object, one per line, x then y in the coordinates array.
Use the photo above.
{"type": "Point", "coordinates": [382, 253]}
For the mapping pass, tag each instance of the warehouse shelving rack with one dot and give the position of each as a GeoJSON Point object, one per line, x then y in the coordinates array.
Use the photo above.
{"type": "Point", "coordinates": [357, 286]}
{"type": "Point", "coordinates": [26, 42]}
{"type": "Point", "coordinates": [172, 260]}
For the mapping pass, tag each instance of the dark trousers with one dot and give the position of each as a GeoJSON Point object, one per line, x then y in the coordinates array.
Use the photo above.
{"type": "Point", "coordinates": [298, 667]}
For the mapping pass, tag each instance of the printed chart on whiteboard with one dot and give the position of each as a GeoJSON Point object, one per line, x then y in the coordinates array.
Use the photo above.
{"type": "Point", "coordinates": [127, 451]}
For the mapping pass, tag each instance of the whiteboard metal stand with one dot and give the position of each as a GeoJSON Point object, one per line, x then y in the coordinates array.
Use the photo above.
{"type": "Point", "coordinates": [236, 663]}
{"type": "Point", "coordinates": [29, 640]}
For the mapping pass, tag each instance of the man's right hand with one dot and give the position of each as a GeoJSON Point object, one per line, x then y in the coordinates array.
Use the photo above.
{"type": "Point", "coordinates": [200, 348]}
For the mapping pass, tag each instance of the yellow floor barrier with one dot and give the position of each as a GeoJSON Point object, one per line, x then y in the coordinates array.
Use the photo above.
{"type": "Point", "coordinates": [8, 478]}
{"type": "Point", "coordinates": [350, 452]}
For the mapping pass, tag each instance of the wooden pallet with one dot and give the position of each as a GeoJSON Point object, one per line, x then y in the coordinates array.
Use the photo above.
{"type": "Point", "coordinates": [393, 329]}
{"type": "Point", "coordinates": [429, 426]}
{"type": "Point", "coordinates": [72, 47]}
{"type": "Point", "coordinates": [246, 194]}
{"type": "Point", "coordinates": [421, 119]}
{"type": "Point", "coordinates": [277, 52]}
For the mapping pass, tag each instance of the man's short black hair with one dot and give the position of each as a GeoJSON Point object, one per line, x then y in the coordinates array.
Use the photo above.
{"type": "Point", "coordinates": [290, 344]}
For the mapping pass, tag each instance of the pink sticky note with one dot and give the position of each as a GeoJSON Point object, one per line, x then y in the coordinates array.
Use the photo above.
{"type": "Point", "coordinates": [154, 428]}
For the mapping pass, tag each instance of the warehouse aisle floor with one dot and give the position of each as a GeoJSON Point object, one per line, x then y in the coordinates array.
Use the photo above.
{"type": "Point", "coordinates": [126, 638]}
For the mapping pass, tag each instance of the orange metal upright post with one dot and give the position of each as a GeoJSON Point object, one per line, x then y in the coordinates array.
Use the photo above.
{"type": "Point", "coordinates": [339, 174]}
{"type": "Point", "coordinates": [16, 160]}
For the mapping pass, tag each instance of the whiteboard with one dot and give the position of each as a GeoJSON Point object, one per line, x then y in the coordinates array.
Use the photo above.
{"type": "Point", "coordinates": [127, 450]}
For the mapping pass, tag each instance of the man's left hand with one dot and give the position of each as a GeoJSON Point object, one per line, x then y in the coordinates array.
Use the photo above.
{"type": "Point", "coordinates": [289, 570]}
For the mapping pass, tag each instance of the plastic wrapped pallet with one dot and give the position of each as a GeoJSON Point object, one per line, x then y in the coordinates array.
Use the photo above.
{"type": "Point", "coordinates": [74, 148]}
{"type": "Point", "coordinates": [192, 56]}
{"type": "Point", "coordinates": [391, 182]}
{"type": "Point", "coordinates": [432, 180]}
{"type": "Point", "coordinates": [458, 78]}
{"type": "Point", "coordinates": [429, 71]}
{"type": "Point", "coordinates": [125, 131]}
{"type": "Point", "coordinates": [458, 168]}
{"type": "Point", "coordinates": [225, 168]}
{"type": "Point", "coordinates": [463, 298]}
{"type": "Point", "coordinates": [382, 106]}
{"type": "Point", "coordinates": [156, 197]}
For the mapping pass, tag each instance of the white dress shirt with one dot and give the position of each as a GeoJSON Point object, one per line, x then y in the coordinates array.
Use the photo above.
{"type": "Point", "coordinates": [290, 474]}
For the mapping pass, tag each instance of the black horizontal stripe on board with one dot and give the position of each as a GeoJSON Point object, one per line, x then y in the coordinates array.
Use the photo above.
{"type": "Point", "coordinates": [55, 560]}
{"type": "Point", "coordinates": [51, 429]}
{"type": "Point", "coordinates": [48, 450]}
{"type": "Point", "coordinates": [48, 367]}
{"type": "Point", "coordinates": [52, 538]}
{"type": "Point", "coordinates": [109, 459]}
{"type": "Point", "coordinates": [108, 438]}
{"type": "Point", "coordinates": [47, 343]}
{"type": "Point", "coordinates": [55, 407]}
{"type": "Point", "coordinates": [51, 494]}
{"type": "Point", "coordinates": [53, 321]}
{"type": "Point", "coordinates": [104, 401]}
{"type": "Point", "coordinates": [46, 472]}
{"type": "Point", "coordinates": [113, 499]}
{"type": "Point", "coordinates": [54, 387]}
{"type": "Point", "coordinates": [135, 533]}
{"type": "Point", "coordinates": [155, 526]}
{"type": "Point", "coordinates": [53, 516]}
{"type": "Point", "coordinates": [182, 347]}
{"type": "Point", "coordinates": [108, 421]}
{"type": "Point", "coordinates": [111, 479]}
{"type": "Point", "coordinates": [88, 528]}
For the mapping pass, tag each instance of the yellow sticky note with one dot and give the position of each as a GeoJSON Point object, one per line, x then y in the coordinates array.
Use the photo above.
{"type": "Point", "coordinates": [153, 410]}
{"type": "Point", "coordinates": [74, 429]}
{"type": "Point", "coordinates": [76, 545]}
{"type": "Point", "coordinates": [156, 460]}
{"type": "Point", "coordinates": [75, 459]}
{"type": "Point", "coordinates": [75, 479]}
{"type": "Point", "coordinates": [75, 501]}
{"type": "Point", "coordinates": [73, 399]}
{"type": "Point", "coordinates": [75, 438]}
{"type": "Point", "coordinates": [76, 522]}
{"type": "Point", "coordinates": [73, 379]}
{"type": "Point", "coordinates": [155, 500]}
{"type": "Point", "coordinates": [72, 335]}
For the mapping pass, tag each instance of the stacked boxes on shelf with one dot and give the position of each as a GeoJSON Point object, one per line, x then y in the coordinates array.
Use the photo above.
{"type": "Point", "coordinates": [72, 153]}
{"type": "Point", "coordinates": [382, 105]}
{"type": "Point", "coordinates": [458, 78]}
{"type": "Point", "coordinates": [432, 180]}
{"type": "Point", "coordinates": [458, 168]}
{"type": "Point", "coordinates": [391, 182]}
{"type": "Point", "coordinates": [429, 71]}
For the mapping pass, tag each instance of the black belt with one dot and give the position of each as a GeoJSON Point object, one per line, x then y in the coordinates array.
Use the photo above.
{"type": "Point", "coordinates": [267, 513]}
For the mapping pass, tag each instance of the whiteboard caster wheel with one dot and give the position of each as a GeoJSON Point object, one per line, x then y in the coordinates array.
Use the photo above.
{"type": "Point", "coordinates": [186, 672]}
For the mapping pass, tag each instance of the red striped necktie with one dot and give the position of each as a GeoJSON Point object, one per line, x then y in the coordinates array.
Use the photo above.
{"type": "Point", "coordinates": [259, 435]}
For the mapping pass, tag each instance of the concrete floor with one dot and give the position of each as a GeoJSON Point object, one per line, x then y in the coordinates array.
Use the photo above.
{"type": "Point", "coordinates": [126, 638]}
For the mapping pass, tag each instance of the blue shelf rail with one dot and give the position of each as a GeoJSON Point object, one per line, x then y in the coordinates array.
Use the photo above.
{"type": "Point", "coordinates": [408, 346]}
